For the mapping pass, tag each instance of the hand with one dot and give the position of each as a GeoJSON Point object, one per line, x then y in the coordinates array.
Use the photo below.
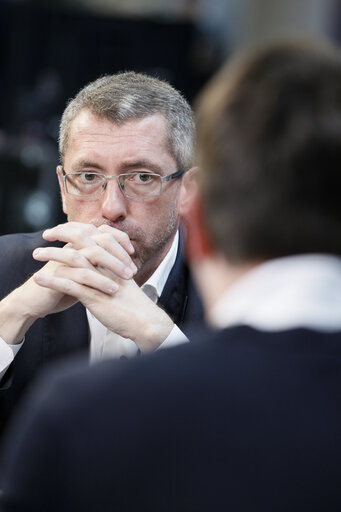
{"type": "Point", "coordinates": [94, 256]}
{"type": "Point", "coordinates": [25, 304]}
{"type": "Point", "coordinates": [91, 270]}
{"type": "Point", "coordinates": [86, 247]}
{"type": "Point", "coordinates": [128, 312]}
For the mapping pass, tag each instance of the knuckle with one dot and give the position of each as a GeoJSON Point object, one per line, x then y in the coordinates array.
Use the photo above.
{"type": "Point", "coordinates": [72, 255]}
{"type": "Point", "coordinates": [68, 287]}
{"type": "Point", "coordinates": [83, 274]}
{"type": "Point", "coordinates": [84, 253]}
{"type": "Point", "coordinates": [79, 259]}
{"type": "Point", "coordinates": [69, 251]}
{"type": "Point", "coordinates": [92, 253]}
{"type": "Point", "coordinates": [96, 251]}
{"type": "Point", "coordinates": [125, 237]}
{"type": "Point", "coordinates": [104, 228]}
{"type": "Point", "coordinates": [82, 232]}
{"type": "Point", "coordinates": [107, 239]}
{"type": "Point", "coordinates": [58, 271]}
{"type": "Point", "coordinates": [107, 236]}
{"type": "Point", "coordinates": [91, 229]}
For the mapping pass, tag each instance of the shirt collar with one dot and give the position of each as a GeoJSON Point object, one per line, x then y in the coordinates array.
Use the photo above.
{"type": "Point", "coordinates": [158, 280]}
{"type": "Point", "coordinates": [296, 291]}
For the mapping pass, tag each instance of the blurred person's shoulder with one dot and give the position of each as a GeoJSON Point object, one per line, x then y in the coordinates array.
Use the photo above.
{"type": "Point", "coordinates": [212, 365]}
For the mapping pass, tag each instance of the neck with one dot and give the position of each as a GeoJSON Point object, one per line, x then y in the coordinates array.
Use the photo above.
{"type": "Point", "coordinates": [148, 268]}
{"type": "Point", "coordinates": [144, 273]}
{"type": "Point", "coordinates": [214, 276]}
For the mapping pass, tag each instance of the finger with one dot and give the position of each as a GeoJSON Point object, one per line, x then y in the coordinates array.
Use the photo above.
{"type": "Point", "coordinates": [100, 257]}
{"type": "Point", "coordinates": [67, 256]}
{"type": "Point", "coordinates": [76, 282]}
{"type": "Point", "coordinates": [90, 278]}
{"type": "Point", "coordinates": [120, 236]}
{"type": "Point", "coordinates": [76, 233]}
{"type": "Point", "coordinates": [88, 257]}
{"type": "Point", "coordinates": [108, 242]}
{"type": "Point", "coordinates": [64, 286]}
{"type": "Point", "coordinates": [81, 235]}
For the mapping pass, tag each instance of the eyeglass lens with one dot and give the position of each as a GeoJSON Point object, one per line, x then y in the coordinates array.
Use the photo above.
{"type": "Point", "coordinates": [132, 184]}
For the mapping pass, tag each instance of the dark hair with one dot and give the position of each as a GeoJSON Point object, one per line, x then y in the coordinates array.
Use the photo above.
{"type": "Point", "coordinates": [269, 145]}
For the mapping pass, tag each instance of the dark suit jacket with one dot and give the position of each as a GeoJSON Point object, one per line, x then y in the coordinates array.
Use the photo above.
{"type": "Point", "coordinates": [65, 333]}
{"type": "Point", "coordinates": [248, 421]}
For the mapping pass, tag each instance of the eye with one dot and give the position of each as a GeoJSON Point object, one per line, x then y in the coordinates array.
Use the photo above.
{"type": "Point", "coordinates": [144, 177]}
{"type": "Point", "coordinates": [88, 177]}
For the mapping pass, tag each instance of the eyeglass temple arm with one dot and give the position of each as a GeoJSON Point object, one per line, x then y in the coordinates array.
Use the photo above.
{"type": "Point", "coordinates": [173, 176]}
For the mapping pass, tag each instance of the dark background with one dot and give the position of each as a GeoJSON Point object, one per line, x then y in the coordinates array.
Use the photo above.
{"type": "Point", "coordinates": [47, 54]}
{"type": "Point", "coordinates": [49, 49]}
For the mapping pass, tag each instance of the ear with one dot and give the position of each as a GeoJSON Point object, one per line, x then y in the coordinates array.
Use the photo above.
{"type": "Point", "coordinates": [189, 190]}
{"type": "Point", "coordinates": [197, 243]}
{"type": "Point", "coordinates": [59, 171]}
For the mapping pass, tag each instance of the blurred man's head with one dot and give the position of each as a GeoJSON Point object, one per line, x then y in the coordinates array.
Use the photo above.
{"type": "Point", "coordinates": [269, 146]}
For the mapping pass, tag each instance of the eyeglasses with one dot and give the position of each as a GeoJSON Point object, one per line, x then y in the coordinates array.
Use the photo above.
{"type": "Point", "coordinates": [136, 185]}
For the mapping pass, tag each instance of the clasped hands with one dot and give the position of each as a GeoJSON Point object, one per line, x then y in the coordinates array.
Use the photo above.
{"type": "Point", "coordinates": [95, 268]}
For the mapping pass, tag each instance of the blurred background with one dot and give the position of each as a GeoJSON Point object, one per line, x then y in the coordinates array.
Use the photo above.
{"type": "Point", "coordinates": [49, 49]}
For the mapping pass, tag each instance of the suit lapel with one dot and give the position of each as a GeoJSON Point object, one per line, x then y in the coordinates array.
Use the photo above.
{"type": "Point", "coordinates": [65, 332]}
{"type": "Point", "coordinates": [179, 297]}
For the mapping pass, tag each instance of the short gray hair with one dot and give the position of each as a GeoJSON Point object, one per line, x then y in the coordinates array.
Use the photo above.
{"type": "Point", "coordinates": [129, 95]}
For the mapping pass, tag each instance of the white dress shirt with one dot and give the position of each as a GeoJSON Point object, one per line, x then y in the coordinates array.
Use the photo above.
{"type": "Point", "coordinates": [7, 354]}
{"type": "Point", "coordinates": [102, 342]}
{"type": "Point", "coordinates": [284, 293]}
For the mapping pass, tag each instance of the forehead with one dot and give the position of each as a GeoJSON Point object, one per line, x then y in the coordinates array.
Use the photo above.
{"type": "Point", "coordinates": [131, 139]}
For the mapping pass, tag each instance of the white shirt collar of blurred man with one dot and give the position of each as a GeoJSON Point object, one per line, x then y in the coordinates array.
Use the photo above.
{"type": "Point", "coordinates": [285, 293]}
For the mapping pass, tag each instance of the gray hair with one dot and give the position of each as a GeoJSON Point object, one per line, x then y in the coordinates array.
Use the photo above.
{"type": "Point", "coordinates": [129, 95]}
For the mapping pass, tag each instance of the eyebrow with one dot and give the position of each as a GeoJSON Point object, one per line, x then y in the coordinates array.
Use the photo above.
{"type": "Point", "coordinates": [81, 164]}
{"type": "Point", "coordinates": [124, 167]}
{"type": "Point", "coordinates": [138, 164]}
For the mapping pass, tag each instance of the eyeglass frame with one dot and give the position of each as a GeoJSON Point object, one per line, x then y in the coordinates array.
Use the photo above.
{"type": "Point", "coordinates": [163, 179]}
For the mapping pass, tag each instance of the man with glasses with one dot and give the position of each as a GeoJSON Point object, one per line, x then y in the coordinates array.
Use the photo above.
{"type": "Point", "coordinates": [115, 272]}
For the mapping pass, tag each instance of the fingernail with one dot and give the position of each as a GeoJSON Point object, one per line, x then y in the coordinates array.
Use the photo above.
{"type": "Point", "coordinates": [128, 273]}
{"type": "Point", "coordinates": [36, 252]}
{"type": "Point", "coordinates": [112, 288]}
{"type": "Point", "coordinates": [39, 277]}
{"type": "Point", "coordinates": [131, 248]}
{"type": "Point", "coordinates": [133, 267]}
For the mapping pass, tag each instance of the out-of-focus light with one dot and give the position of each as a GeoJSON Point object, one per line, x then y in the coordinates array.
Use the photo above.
{"type": "Point", "coordinates": [37, 210]}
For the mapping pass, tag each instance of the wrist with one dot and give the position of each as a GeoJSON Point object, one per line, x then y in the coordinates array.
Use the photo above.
{"type": "Point", "coordinates": [155, 332]}
{"type": "Point", "coordinates": [15, 319]}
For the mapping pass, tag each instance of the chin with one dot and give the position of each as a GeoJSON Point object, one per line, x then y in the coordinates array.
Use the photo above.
{"type": "Point", "coordinates": [138, 263]}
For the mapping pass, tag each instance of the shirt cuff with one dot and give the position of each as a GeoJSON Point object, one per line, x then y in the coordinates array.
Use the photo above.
{"type": "Point", "coordinates": [7, 355]}
{"type": "Point", "coordinates": [175, 337]}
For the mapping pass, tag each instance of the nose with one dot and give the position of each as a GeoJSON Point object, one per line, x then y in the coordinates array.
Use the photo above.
{"type": "Point", "coordinates": [114, 206]}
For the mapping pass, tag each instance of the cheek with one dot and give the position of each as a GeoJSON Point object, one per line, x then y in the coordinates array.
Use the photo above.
{"type": "Point", "coordinates": [159, 215]}
{"type": "Point", "coordinates": [143, 217]}
{"type": "Point", "coordinates": [83, 211]}
{"type": "Point", "coordinates": [150, 213]}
